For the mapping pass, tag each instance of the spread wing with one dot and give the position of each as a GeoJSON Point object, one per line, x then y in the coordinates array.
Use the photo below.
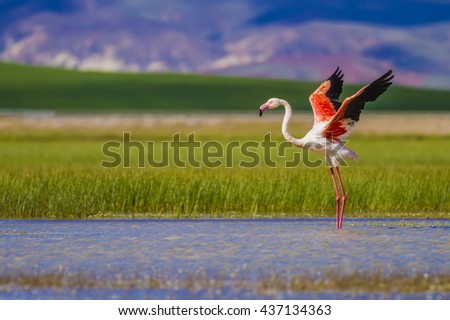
{"type": "Point", "coordinates": [325, 100]}
{"type": "Point", "coordinates": [343, 121]}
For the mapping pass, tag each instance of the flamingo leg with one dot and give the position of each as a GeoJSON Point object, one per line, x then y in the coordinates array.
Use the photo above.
{"type": "Point", "coordinates": [344, 199]}
{"type": "Point", "coordinates": [338, 197]}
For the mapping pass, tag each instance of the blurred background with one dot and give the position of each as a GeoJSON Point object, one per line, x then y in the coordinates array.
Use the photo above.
{"type": "Point", "coordinates": [258, 38]}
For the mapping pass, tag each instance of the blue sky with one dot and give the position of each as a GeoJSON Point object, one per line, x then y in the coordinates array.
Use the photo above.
{"type": "Point", "coordinates": [385, 12]}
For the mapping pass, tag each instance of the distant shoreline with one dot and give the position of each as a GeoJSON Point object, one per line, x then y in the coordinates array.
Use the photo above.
{"type": "Point", "coordinates": [437, 123]}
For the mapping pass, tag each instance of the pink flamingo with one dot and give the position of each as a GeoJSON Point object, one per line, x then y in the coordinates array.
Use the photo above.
{"type": "Point", "coordinates": [333, 122]}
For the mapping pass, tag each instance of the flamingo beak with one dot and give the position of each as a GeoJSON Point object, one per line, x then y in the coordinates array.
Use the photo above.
{"type": "Point", "coordinates": [263, 108]}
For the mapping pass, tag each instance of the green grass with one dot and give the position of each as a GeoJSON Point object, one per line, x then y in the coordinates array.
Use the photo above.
{"type": "Point", "coordinates": [60, 177]}
{"type": "Point", "coordinates": [56, 173]}
{"type": "Point", "coordinates": [38, 88]}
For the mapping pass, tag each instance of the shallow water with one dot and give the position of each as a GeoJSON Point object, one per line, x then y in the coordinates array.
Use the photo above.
{"type": "Point", "coordinates": [231, 250]}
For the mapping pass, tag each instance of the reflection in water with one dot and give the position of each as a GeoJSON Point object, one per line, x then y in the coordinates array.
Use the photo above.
{"type": "Point", "coordinates": [215, 258]}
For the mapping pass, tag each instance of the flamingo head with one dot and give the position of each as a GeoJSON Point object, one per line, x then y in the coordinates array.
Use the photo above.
{"type": "Point", "coordinates": [272, 103]}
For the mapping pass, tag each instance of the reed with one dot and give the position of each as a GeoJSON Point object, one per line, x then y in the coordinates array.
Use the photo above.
{"type": "Point", "coordinates": [61, 177]}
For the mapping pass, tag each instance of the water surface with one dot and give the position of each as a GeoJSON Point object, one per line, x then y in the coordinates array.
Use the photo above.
{"type": "Point", "coordinates": [229, 250]}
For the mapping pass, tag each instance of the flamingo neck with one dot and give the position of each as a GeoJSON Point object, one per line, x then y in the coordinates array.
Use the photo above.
{"type": "Point", "coordinates": [284, 127]}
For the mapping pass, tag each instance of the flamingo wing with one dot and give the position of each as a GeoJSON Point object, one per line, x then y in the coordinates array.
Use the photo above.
{"type": "Point", "coordinates": [348, 114]}
{"type": "Point", "coordinates": [325, 100]}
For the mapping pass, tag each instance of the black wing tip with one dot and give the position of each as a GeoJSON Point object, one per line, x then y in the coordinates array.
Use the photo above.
{"type": "Point", "coordinates": [337, 74]}
{"type": "Point", "coordinates": [388, 76]}
{"type": "Point", "coordinates": [385, 80]}
{"type": "Point", "coordinates": [371, 93]}
{"type": "Point", "coordinates": [335, 90]}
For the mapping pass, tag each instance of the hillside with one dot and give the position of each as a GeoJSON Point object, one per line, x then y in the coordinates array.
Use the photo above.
{"type": "Point", "coordinates": [25, 87]}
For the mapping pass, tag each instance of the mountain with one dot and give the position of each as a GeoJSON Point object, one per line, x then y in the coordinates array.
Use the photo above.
{"type": "Point", "coordinates": [286, 38]}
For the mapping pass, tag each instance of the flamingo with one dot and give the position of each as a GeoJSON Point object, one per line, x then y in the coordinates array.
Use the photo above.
{"type": "Point", "coordinates": [333, 122]}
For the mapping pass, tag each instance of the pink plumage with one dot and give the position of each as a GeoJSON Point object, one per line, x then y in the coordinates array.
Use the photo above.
{"type": "Point", "coordinates": [333, 122]}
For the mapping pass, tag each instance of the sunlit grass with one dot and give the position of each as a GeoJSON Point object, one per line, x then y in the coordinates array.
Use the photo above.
{"type": "Point", "coordinates": [58, 175]}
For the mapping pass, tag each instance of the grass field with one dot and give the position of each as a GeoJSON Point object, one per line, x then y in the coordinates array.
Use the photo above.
{"type": "Point", "coordinates": [50, 166]}
{"type": "Point", "coordinates": [38, 88]}
{"type": "Point", "coordinates": [55, 172]}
